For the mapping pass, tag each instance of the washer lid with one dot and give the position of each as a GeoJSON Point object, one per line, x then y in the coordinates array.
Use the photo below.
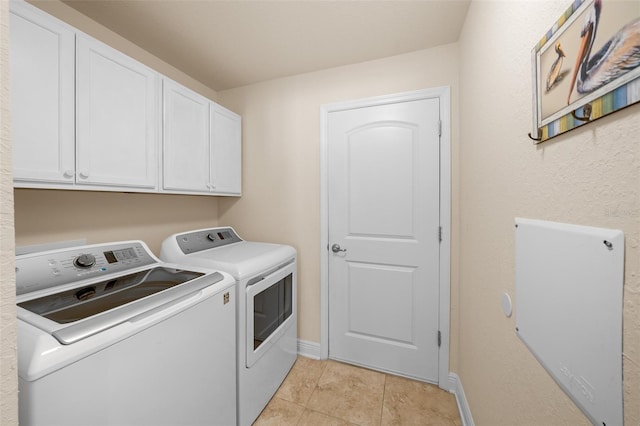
{"type": "Point", "coordinates": [76, 314]}
{"type": "Point", "coordinates": [86, 301]}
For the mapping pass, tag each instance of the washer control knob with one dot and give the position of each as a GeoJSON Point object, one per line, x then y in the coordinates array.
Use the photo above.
{"type": "Point", "coordinates": [211, 237]}
{"type": "Point", "coordinates": [84, 261]}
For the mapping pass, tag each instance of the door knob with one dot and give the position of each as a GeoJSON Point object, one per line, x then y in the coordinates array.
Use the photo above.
{"type": "Point", "coordinates": [336, 248]}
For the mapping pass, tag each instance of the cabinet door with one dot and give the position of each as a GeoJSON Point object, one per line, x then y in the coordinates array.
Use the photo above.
{"type": "Point", "coordinates": [226, 153]}
{"type": "Point", "coordinates": [186, 139]}
{"type": "Point", "coordinates": [42, 96]}
{"type": "Point", "coordinates": [117, 115]}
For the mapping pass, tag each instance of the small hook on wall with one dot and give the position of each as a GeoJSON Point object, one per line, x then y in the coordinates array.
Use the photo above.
{"type": "Point", "coordinates": [586, 109]}
{"type": "Point", "coordinates": [537, 139]}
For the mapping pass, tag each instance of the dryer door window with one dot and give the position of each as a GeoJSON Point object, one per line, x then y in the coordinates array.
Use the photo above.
{"type": "Point", "coordinates": [271, 308]}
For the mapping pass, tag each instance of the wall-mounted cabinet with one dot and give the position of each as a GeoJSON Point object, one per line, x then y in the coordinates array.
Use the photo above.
{"type": "Point", "coordinates": [226, 151]}
{"type": "Point", "coordinates": [86, 116]}
{"type": "Point", "coordinates": [42, 60]}
{"type": "Point", "coordinates": [201, 144]}
{"type": "Point", "coordinates": [117, 118]}
{"type": "Point", "coordinates": [186, 140]}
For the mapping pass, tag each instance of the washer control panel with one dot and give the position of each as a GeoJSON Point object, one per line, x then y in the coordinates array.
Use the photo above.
{"type": "Point", "coordinates": [39, 271]}
{"type": "Point", "coordinates": [205, 239]}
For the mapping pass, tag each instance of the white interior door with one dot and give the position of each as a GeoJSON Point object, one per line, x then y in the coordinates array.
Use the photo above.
{"type": "Point", "coordinates": [383, 215]}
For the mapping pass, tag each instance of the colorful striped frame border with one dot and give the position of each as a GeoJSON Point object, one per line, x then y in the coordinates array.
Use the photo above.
{"type": "Point", "coordinates": [615, 100]}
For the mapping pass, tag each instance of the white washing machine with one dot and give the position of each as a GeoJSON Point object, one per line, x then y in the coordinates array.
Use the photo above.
{"type": "Point", "coordinates": [266, 313]}
{"type": "Point", "coordinates": [110, 335]}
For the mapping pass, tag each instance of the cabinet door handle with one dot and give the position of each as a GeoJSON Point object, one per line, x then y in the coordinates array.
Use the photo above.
{"type": "Point", "coordinates": [84, 175]}
{"type": "Point", "coordinates": [68, 174]}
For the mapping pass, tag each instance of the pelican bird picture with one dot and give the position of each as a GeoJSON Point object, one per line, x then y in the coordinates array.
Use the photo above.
{"type": "Point", "coordinates": [555, 75]}
{"type": "Point", "coordinates": [619, 55]}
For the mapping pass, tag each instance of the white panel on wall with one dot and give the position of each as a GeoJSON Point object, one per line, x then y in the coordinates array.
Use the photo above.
{"type": "Point", "coordinates": [569, 283]}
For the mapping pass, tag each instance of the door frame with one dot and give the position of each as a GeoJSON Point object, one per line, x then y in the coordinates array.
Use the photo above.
{"type": "Point", "coordinates": [444, 95]}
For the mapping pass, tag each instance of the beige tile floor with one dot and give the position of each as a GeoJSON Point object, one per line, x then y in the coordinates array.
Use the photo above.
{"type": "Point", "coordinates": [335, 394]}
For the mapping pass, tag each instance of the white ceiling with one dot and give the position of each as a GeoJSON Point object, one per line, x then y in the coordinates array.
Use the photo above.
{"type": "Point", "coordinates": [226, 44]}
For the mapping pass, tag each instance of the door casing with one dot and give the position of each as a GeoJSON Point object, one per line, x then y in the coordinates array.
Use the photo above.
{"type": "Point", "coordinates": [444, 95]}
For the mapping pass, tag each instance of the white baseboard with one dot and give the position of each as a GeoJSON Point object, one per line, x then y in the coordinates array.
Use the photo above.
{"type": "Point", "coordinates": [455, 387]}
{"type": "Point", "coordinates": [309, 349]}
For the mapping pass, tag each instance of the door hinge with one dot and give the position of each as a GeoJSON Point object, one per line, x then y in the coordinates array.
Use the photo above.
{"type": "Point", "coordinates": [440, 128]}
{"type": "Point", "coordinates": [440, 233]}
{"type": "Point", "coordinates": [439, 338]}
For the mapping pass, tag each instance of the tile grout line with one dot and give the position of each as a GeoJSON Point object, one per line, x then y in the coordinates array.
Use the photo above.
{"type": "Point", "coordinates": [384, 391]}
{"type": "Point", "coordinates": [315, 387]}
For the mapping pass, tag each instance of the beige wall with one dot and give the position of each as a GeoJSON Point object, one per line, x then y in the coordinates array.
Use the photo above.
{"type": "Point", "coordinates": [44, 216]}
{"type": "Point", "coordinates": [281, 158]}
{"type": "Point", "coordinates": [590, 176]}
{"type": "Point", "coordinates": [8, 356]}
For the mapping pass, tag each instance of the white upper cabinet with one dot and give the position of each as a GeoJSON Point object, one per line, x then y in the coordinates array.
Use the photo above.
{"type": "Point", "coordinates": [117, 118]}
{"type": "Point", "coordinates": [186, 146]}
{"type": "Point", "coordinates": [226, 152]}
{"type": "Point", "coordinates": [42, 96]}
{"type": "Point", "coordinates": [202, 144]}
{"type": "Point", "coordinates": [86, 116]}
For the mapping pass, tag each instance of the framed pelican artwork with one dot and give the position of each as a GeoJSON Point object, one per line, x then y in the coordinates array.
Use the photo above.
{"type": "Point", "coordinates": [586, 66]}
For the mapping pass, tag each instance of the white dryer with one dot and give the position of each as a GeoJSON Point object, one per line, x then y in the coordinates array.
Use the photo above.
{"type": "Point", "coordinates": [109, 335]}
{"type": "Point", "coordinates": [265, 275]}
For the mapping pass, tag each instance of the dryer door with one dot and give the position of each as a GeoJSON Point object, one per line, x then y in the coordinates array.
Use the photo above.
{"type": "Point", "coordinates": [270, 309]}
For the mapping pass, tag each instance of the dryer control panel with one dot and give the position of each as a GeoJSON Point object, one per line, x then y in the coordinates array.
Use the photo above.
{"type": "Point", "coordinates": [205, 239]}
{"type": "Point", "coordinates": [40, 271]}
